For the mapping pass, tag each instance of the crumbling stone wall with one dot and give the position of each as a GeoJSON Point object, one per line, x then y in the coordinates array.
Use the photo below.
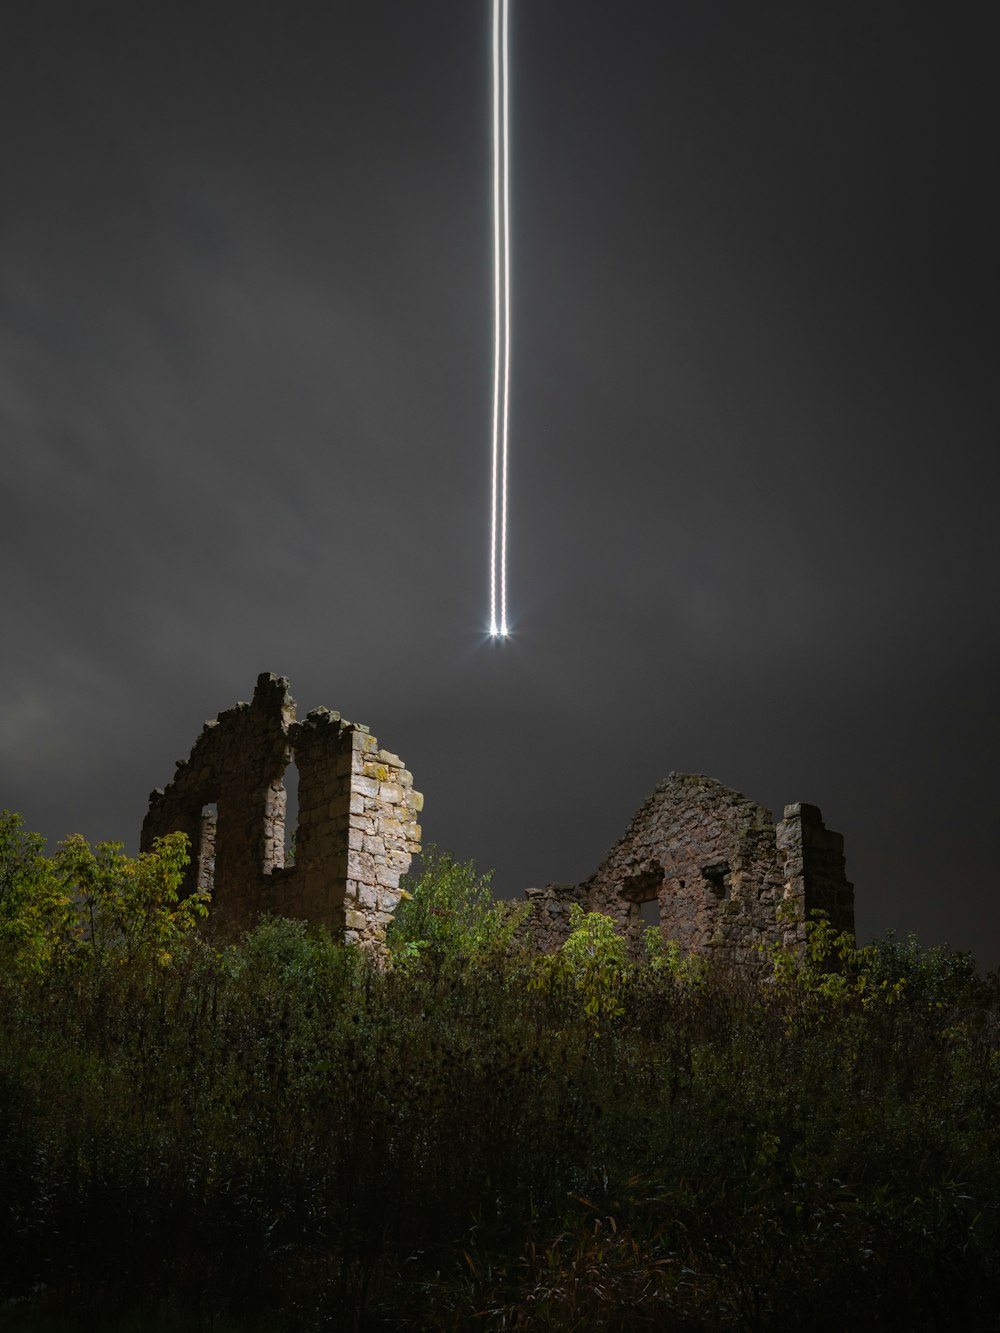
{"type": "Point", "coordinates": [548, 924]}
{"type": "Point", "coordinates": [718, 870]}
{"type": "Point", "coordinates": [357, 827]}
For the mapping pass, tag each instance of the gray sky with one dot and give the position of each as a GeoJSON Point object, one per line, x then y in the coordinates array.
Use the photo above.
{"type": "Point", "coordinates": [245, 396]}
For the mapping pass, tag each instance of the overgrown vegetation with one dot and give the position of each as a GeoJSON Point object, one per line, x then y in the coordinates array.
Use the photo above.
{"type": "Point", "coordinates": [278, 1135]}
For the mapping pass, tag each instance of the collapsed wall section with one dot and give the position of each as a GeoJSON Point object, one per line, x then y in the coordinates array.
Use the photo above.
{"type": "Point", "coordinates": [357, 826]}
{"type": "Point", "coordinates": [548, 925]}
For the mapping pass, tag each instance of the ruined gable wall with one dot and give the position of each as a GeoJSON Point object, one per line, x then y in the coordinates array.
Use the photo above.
{"type": "Point", "coordinates": [707, 855]}
{"type": "Point", "coordinates": [357, 828]}
{"type": "Point", "coordinates": [718, 869]}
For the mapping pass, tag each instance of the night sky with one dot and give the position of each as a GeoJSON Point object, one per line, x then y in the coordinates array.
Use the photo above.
{"type": "Point", "coordinates": [246, 350]}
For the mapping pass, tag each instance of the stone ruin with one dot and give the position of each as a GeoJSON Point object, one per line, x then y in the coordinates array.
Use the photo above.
{"type": "Point", "coordinates": [712, 871]}
{"type": "Point", "coordinates": [702, 862]}
{"type": "Point", "coordinates": [357, 823]}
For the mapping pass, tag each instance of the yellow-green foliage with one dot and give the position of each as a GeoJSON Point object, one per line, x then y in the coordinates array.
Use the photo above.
{"type": "Point", "coordinates": [831, 973]}
{"type": "Point", "coordinates": [448, 911]}
{"type": "Point", "coordinates": [37, 922]}
{"type": "Point", "coordinates": [593, 961]}
{"type": "Point", "coordinates": [666, 956]}
{"type": "Point", "coordinates": [130, 906]}
{"type": "Point", "coordinates": [85, 904]}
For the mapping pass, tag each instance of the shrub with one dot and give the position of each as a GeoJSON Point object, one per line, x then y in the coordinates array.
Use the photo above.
{"type": "Point", "coordinates": [37, 922]}
{"type": "Point", "coordinates": [127, 906]}
{"type": "Point", "coordinates": [593, 960]}
{"type": "Point", "coordinates": [449, 912]}
{"type": "Point", "coordinates": [934, 978]}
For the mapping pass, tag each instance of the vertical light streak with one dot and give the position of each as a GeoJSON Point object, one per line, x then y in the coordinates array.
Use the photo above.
{"type": "Point", "coordinates": [496, 318]}
{"type": "Point", "coordinates": [506, 331]}
{"type": "Point", "coordinates": [501, 304]}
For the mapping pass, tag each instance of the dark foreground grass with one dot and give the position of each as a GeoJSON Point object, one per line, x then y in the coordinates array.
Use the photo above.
{"type": "Point", "coordinates": [280, 1138]}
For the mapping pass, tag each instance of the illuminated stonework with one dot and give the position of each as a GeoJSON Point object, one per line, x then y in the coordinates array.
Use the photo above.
{"type": "Point", "coordinates": [357, 826]}
{"type": "Point", "coordinates": [712, 870]}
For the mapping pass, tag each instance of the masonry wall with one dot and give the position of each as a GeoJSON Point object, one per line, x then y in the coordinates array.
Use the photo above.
{"type": "Point", "coordinates": [718, 870]}
{"type": "Point", "coordinates": [357, 826]}
{"type": "Point", "coordinates": [715, 867]}
{"type": "Point", "coordinates": [548, 924]}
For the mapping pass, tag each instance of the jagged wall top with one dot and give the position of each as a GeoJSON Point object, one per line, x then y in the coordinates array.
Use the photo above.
{"type": "Point", "coordinates": [717, 870]}
{"type": "Point", "coordinates": [357, 828]}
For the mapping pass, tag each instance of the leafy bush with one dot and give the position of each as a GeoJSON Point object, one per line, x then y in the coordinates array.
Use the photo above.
{"type": "Point", "coordinates": [449, 912]}
{"type": "Point", "coordinates": [36, 918]}
{"type": "Point", "coordinates": [91, 905]}
{"type": "Point", "coordinates": [593, 960]}
{"type": "Point", "coordinates": [666, 956]}
{"type": "Point", "coordinates": [130, 906]}
{"type": "Point", "coordinates": [831, 973]}
{"type": "Point", "coordinates": [934, 978]}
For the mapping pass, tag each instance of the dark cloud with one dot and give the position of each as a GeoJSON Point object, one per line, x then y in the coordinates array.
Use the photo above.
{"type": "Point", "coordinates": [245, 382]}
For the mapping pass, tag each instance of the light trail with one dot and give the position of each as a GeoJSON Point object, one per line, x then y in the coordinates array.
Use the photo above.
{"type": "Point", "coordinates": [501, 345]}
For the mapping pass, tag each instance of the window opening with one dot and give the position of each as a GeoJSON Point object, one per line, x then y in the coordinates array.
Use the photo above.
{"type": "Point", "coordinates": [291, 781]}
{"type": "Point", "coordinates": [650, 910]}
{"type": "Point", "coordinates": [205, 859]}
{"type": "Point", "coordinates": [718, 876]}
{"type": "Point", "coordinates": [641, 890]}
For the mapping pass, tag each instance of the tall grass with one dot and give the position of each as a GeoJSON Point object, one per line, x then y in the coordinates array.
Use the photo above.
{"type": "Point", "coordinates": [279, 1136]}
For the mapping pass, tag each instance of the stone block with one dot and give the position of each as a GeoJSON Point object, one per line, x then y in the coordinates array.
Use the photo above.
{"type": "Point", "coordinates": [361, 866]}
{"type": "Point", "coordinates": [387, 876]}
